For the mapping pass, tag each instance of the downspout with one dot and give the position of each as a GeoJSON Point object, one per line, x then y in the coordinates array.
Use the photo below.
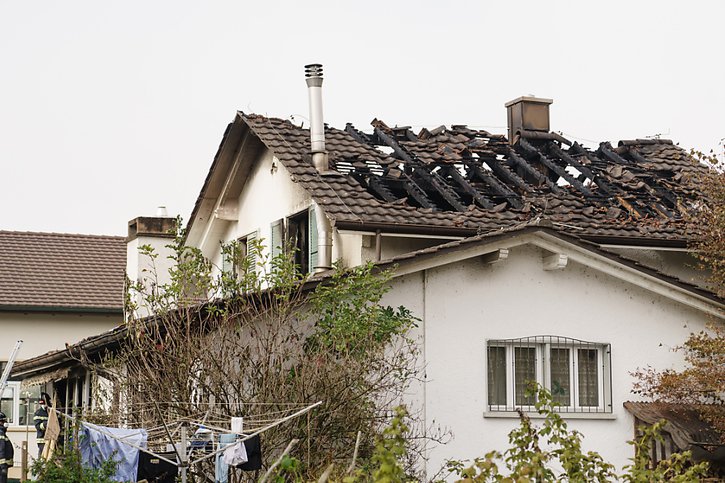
{"type": "Point", "coordinates": [378, 245]}
{"type": "Point", "coordinates": [313, 78]}
{"type": "Point", "coordinates": [324, 241]}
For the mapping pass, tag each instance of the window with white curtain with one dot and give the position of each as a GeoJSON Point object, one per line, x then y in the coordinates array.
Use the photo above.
{"type": "Point", "coordinates": [19, 405]}
{"type": "Point", "coordinates": [576, 372]}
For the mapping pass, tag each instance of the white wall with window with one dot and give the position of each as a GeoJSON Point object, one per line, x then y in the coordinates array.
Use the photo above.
{"type": "Point", "coordinates": [576, 372]}
{"type": "Point", "coordinates": [486, 329]}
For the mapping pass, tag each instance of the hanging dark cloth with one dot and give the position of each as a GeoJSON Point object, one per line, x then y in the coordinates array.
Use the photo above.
{"type": "Point", "coordinates": [254, 454]}
{"type": "Point", "coordinates": [156, 470]}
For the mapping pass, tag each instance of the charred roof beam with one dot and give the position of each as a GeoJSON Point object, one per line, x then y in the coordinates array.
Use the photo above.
{"type": "Point", "coordinates": [439, 184]}
{"type": "Point", "coordinates": [603, 185]}
{"type": "Point", "coordinates": [531, 171]}
{"type": "Point", "coordinates": [376, 185]}
{"type": "Point", "coordinates": [466, 186]}
{"type": "Point", "coordinates": [532, 151]}
{"type": "Point", "coordinates": [506, 174]}
{"type": "Point", "coordinates": [608, 152]}
{"type": "Point", "coordinates": [497, 187]}
{"type": "Point", "coordinates": [392, 143]}
{"type": "Point", "coordinates": [358, 136]}
{"type": "Point", "coordinates": [418, 194]}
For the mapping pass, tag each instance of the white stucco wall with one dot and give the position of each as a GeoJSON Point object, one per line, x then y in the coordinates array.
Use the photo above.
{"type": "Point", "coordinates": [465, 303]}
{"type": "Point", "coordinates": [41, 333]}
{"type": "Point", "coordinates": [677, 263]}
{"type": "Point", "coordinates": [140, 266]}
{"type": "Point", "coordinates": [268, 195]}
{"type": "Point", "coordinates": [143, 268]}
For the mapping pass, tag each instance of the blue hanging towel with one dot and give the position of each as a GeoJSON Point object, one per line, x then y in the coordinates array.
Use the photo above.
{"type": "Point", "coordinates": [222, 469]}
{"type": "Point", "coordinates": [97, 448]}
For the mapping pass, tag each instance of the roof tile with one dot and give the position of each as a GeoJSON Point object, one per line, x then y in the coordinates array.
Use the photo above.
{"type": "Point", "coordinates": [55, 270]}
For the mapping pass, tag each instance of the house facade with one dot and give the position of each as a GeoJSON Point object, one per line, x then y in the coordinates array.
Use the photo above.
{"type": "Point", "coordinates": [526, 257]}
{"type": "Point", "coordinates": [55, 289]}
{"type": "Point", "coordinates": [536, 304]}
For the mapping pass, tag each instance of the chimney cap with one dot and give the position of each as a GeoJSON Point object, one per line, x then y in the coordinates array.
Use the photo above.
{"type": "Point", "coordinates": [313, 70]}
{"type": "Point", "coordinates": [532, 99]}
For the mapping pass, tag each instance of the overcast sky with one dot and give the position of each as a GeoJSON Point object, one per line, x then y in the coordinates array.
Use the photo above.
{"type": "Point", "coordinates": [111, 108]}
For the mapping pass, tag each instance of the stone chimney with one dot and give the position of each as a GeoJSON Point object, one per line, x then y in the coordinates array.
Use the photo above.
{"type": "Point", "coordinates": [156, 232]}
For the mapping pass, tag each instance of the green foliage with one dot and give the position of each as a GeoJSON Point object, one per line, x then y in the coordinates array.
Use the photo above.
{"type": "Point", "coordinates": [387, 464]}
{"type": "Point", "coordinates": [390, 451]}
{"type": "Point", "coordinates": [534, 452]}
{"type": "Point", "coordinates": [251, 333]}
{"type": "Point", "coordinates": [676, 469]}
{"type": "Point", "coordinates": [551, 452]}
{"type": "Point", "coordinates": [350, 318]}
{"type": "Point", "coordinates": [66, 467]}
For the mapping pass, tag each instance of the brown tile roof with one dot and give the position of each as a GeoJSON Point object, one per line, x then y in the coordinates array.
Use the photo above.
{"type": "Point", "coordinates": [469, 181]}
{"type": "Point", "coordinates": [45, 271]}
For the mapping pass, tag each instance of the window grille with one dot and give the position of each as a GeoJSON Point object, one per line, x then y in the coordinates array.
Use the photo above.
{"type": "Point", "coordinates": [576, 372]}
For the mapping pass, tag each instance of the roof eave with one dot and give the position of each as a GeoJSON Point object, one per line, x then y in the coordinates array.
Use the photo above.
{"type": "Point", "coordinates": [232, 135]}
{"type": "Point", "coordinates": [64, 309]}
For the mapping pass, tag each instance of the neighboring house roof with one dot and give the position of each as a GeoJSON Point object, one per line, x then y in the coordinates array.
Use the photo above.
{"type": "Point", "coordinates": [466, 181]}
{"type": "Point", "coordinates": [61, 272]}
{"type": "Point", "coordinates": [438, 255]}
{"type": "Point", "coordinates": [684, 422]}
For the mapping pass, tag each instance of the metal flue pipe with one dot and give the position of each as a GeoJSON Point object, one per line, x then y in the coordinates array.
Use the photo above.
{"type": "Point", "coordinates": [313, 77]}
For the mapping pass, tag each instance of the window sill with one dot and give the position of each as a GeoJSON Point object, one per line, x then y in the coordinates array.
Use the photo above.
{"type": "Point", "coordinates": [535, 415]}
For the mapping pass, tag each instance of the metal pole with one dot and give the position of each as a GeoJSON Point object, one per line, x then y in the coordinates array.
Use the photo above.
{"type": "Point", "coordinates": [24, 462]}
{"type": "Point", "coordinates": [9, 366]}
{"type": "Point", "coordinates": [184, 455]}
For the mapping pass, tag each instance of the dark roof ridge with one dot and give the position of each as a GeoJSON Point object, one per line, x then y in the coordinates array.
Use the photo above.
{"type": "Point", "coordinates": [634, 142]}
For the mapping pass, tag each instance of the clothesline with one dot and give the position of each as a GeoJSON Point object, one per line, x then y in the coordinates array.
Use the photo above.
{"type": "Point", "coordinates": [243, 437]}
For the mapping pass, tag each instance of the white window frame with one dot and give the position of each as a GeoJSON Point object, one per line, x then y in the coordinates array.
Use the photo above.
{"type": "Point", "coordinates": [15, 419]}
{"type": "Point", "coordinates": [543, 346]}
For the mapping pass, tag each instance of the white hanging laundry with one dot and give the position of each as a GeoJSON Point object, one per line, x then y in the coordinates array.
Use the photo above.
{"type": "Point", "coordinates": [238, 425]}
{"type": "Point", "coordinates": [235, 454]}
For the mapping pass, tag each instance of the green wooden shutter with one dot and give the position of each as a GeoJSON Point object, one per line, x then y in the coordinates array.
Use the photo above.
{"type": "Point", "coordinates": [312, 226]}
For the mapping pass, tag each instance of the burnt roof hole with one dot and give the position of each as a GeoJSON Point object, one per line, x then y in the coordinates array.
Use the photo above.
{"type": "Point", "coordinates": [573, 171]}
{"type": "Point", "coordinates": [384, 149]}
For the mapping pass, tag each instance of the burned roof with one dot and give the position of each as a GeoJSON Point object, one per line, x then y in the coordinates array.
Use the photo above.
{"type": "Point", "coordinates": [461, 180]}
{"type": "Point", "coordinates": [58, 271]}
